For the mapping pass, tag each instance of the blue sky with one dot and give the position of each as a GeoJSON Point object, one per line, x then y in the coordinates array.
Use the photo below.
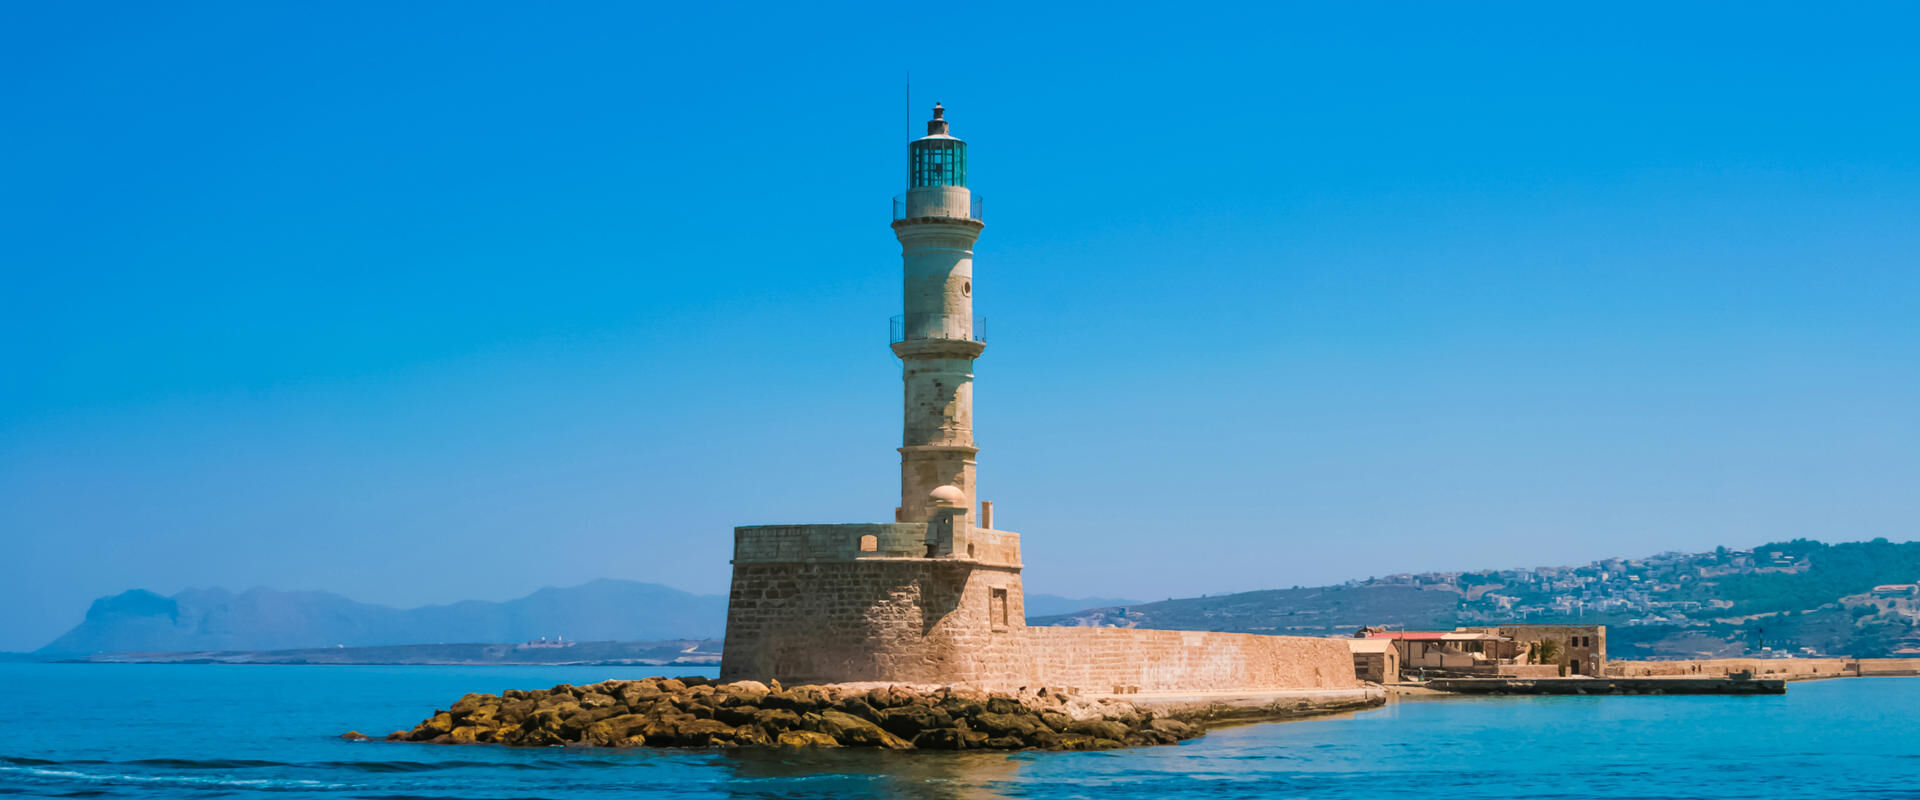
{"type": "Point", "coordinates": [426, 302]}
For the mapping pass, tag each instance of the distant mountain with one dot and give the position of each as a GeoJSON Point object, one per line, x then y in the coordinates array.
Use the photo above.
{"type": "Point", "coordinates": [264, 619]}
{"type": "Point", "coordinates": [1805, 597]}
{"type": "Point", "coordinates": [1046, 605]}
{"type": "Point", "coordinates": [684, 652]}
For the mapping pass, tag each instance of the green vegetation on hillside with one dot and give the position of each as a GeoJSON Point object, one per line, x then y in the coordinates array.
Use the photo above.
{"type": "Point", "coordinates": [1783, 596]}
{"type": "Point", "coordinates": [1833, 571]}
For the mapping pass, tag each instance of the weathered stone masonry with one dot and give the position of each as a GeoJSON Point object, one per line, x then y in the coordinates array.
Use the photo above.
{"type": "Point", "coordinates": [935, 595]}
{"type": "Point", "coordinates": [809, 605]}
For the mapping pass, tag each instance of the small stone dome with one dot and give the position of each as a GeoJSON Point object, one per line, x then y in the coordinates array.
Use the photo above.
{"type": "Point", "coordinates": [949, 496]}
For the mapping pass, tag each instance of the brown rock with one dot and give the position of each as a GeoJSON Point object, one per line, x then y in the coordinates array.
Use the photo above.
{"type": "Point", "coordinates": [662, 707]}
{"type": "Point", "coordinates": [438, 725]}
{"type": "Point", "coordinates": [607, 732]}
{"type": "Point", "coordinates": [777, 719]}
{"type": "Point", "coordinates": [940, 739]}
{"type": "Point", "coordinates": [740, 693]}
{"type": "Point", "coordinates": [539, 737]}
{"type": "Point", "coordinates": [661, 731]}
{"type": "Point", "coordinates": [473, 702]}
{"type": "Point", "coordinates": [1017, 725]}
{"type": "Point", "coordinates": [736, 715]}
{"type": "Point", "coordinates": [1150, 736]}
{"type": "Point", "coordinates": [356, 736]}
{"type": "Point", "coordinates": [703, 733]}
{"type": "Point", "coordinates": [753, 735]}
{"type": "Point", "coordinates": [1004, 705]}
{"type": "Point", "coordinates": [553, 718]}
{"type": "Point", "coordinates": [1055, 721]}
{"type": "Point", "coordinates": [1173, 727]}
{"type": "Point", "coordinates": [806, 739]}
{"type": "Point", "coordinates": [885, 697]}
{"type": "Point", "coordinates": [857, 706]}
{"type": "Point", "coordinates": [1044, 739]}
{"type": "Point", "coordinates": [516, 710]}
{"type": "Point", "coordinates": [639, 693]}
{"type": "Point", "coordinates": [1099, 729]}
{"type": "Point", "coordinates": [798, 698]}
{"type": "Point", "coordinates": [968, 736]}
{"type": "Point", "coordinates": [910, 720]}
{"type": "Point", "coordinates": [852, 730]}
{"type": "Point", "coordinates": [962, 706]}
{"type": "Point", "coordinates": [587, 716]}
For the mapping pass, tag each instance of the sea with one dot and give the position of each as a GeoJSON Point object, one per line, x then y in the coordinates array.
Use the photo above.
{"type": "Point", "coordinates": [207, 731]}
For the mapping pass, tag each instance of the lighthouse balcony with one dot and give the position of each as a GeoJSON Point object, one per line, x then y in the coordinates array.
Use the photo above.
{"type": "Point", "coordinates": [937, 327]}
{"type": "Point", "coordinates": [938, 204]}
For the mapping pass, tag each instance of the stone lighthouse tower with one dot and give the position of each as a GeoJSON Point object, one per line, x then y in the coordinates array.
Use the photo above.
{"type": "Point", "coordinates": [933, 596]}
{"type": "Point", "coordinates": [937, 338]}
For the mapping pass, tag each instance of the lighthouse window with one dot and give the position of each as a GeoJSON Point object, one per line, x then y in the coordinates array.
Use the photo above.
{"type": "Point", "coordinates": [939, 162]}
{"type": "Point", "coordinates": [966, 288]}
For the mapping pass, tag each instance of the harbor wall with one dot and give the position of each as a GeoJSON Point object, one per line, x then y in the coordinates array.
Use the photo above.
{"type": "Point", "coordinates": [1130, 660]}
{"type": "Point", "coordinates": [1789, 668]}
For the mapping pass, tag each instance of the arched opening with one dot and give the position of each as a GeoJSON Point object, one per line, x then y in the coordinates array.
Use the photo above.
{"type": "Point", "coordinates": [869, 543]}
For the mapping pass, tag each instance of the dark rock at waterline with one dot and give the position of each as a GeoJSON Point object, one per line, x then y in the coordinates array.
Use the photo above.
{"type": "Point", "coordinates": [696, 712]}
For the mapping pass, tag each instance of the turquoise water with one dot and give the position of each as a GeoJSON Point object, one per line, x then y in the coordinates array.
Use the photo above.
{"type": "Point", "coordinates": [227, 731]}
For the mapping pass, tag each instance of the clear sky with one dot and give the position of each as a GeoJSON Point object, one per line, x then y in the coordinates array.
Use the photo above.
{"type": "Point", "coordinates": [424, 302]}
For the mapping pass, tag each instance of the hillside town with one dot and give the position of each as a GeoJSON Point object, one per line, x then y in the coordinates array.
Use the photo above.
{"type": "Point", "coordinates": [1669, 590]}
{"type": "Point", "coordinates": [1630, 591]}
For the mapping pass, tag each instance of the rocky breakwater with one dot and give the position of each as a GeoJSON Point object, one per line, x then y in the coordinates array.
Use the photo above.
{"type": "Point", "coordinates": [693, 712]}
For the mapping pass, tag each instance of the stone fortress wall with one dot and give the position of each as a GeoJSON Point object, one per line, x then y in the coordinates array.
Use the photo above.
{"type": "Point", "coordinates": [1130, 660]}
{"type": "Point", "coordinates": [812, 604]}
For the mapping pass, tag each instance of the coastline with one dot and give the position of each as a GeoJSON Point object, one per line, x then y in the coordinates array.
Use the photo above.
{"type": "Point", "coordinates": [1251, 707]}
{"type": "Point", "coordinates": [701, 713]}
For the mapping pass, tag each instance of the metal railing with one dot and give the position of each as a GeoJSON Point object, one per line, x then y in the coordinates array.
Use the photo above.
{"type": "Point", "coordinates": [976, 209]}
{"type": "Point", "coordinates": [917, 327]}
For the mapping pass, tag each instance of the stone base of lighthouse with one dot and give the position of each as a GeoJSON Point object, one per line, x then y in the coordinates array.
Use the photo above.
{"type": "Point", "coordinates": [841, 603]}
{"type": "Point", "coordinates": [862, 602]}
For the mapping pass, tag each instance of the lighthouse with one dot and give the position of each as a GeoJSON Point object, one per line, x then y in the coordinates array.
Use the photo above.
{"type": "Point", "coordinates": [937, 338]}
{"type": "Point", "coordinates": [933, 596]}
{"type": "Point", "coordinates": [936, 596]}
